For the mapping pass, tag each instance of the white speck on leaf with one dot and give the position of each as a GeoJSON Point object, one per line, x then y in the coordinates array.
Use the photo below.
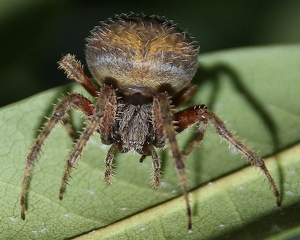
{"type": "Point", "coordinates": [44, 230]}
{"type": "Point", "coordinates": [222, 225]}
{"type": "Point", "coordinates": [289, 193]}
{"type": "Point", "coordinates": [142, 229]}
{"type": "Point", "coordinates": [91, 192]}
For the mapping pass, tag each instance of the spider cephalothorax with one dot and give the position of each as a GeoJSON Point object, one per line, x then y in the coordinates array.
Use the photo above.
{"type": "Point", "coordinates": [144, 66]}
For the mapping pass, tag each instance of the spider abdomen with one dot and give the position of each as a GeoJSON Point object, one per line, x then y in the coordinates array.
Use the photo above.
{"type": "Point", "coordinates": [141, 51]}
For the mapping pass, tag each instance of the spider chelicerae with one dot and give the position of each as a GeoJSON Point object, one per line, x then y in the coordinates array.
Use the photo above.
{"type": "Point", "coordinates": [145, 65]}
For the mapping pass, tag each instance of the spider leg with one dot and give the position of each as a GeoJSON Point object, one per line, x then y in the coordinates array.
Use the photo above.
{"type": "Point", "coordinates": [184, 94]}
{"type": "Point", "coordinates": [74, 70]}
{"type": "Point", "coordinates": [106, 98]}
{"type": "Point", "coordinates": [143, 157]}
{"type": "Point", "coordinates": [187, 118]}
{"type": "Point", "coordinates": [66, 122]}
{"type": "Point", "coordinates": [201, 115]}
{"type": "Point", "coordinates": [156, 168]}
{"type": "Point", "coordinates": [108, 173]}
{"type": "Point", "coordinates": [155, 176]}
{"type": "Point", "coordinates": [162, 101]}
{"type": "Point", "coordinates": [74, 100]}
{"type": "Point", "coordinates": [202, 126]}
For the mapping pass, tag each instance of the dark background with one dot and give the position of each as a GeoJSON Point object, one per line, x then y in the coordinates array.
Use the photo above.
{"type": "Point", "coordinates": [35, 34]}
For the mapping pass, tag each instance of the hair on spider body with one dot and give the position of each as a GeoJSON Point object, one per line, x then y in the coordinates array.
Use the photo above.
{"type": "Point", "coordinates": [145, 65]}
{"type": "Point", "coordinates": [141, 51]}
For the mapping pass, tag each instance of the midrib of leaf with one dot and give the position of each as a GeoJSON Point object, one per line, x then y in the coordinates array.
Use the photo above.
{"type": "Point", "coordinates": [244, 181]}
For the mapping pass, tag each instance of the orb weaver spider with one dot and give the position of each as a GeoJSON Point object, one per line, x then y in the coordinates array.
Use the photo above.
{"type": "Point", "coordinates": [145, 65]}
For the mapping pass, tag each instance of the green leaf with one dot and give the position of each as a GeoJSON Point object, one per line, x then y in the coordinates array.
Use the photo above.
{"type": "Point", "coordinates": [256, 90]}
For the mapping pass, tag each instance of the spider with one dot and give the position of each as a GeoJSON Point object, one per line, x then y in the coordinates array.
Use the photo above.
{"type": "Point", "coordinates": [144, 65]}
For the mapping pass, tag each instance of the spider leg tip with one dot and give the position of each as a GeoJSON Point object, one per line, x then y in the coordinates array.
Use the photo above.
{"type": "Point", "coordinates": [278, 203]}
{"type": "Point", "coordinates": [61, 196]}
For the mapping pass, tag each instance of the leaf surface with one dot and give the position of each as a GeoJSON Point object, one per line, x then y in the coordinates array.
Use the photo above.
{"type": "Point", "coordinates": [256, 90]}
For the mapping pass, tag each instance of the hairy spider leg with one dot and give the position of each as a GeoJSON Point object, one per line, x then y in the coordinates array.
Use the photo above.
{"type": "Point", "coordinates": [202, 116]}
{"type": "Point", "coordinates": [167, 117]}
{"type": "Point", "coordinates": [106, 98]}
{"type": "Point", "coordinates": [187, 118]}
{"type": "Point", "coordinates": [108, 172]}
{"type": "Point", "coordinates": [74, 70]}
{"type": "Point", "coordinates": [156, 168]}
{"type": "Point", "coordinates": [184, 94]}
{"type": "Point", "coordinates": [73, 100]}
{"type": "Point", "coordinates": [156, 173]}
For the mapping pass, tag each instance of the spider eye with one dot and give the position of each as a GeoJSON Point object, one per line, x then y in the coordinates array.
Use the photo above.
{"type": "Point", "coordinates": [140, 51]}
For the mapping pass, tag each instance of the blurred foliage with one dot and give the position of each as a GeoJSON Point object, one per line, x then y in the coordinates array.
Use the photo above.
{"type": "Point", "coordinates": [35, 34]}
